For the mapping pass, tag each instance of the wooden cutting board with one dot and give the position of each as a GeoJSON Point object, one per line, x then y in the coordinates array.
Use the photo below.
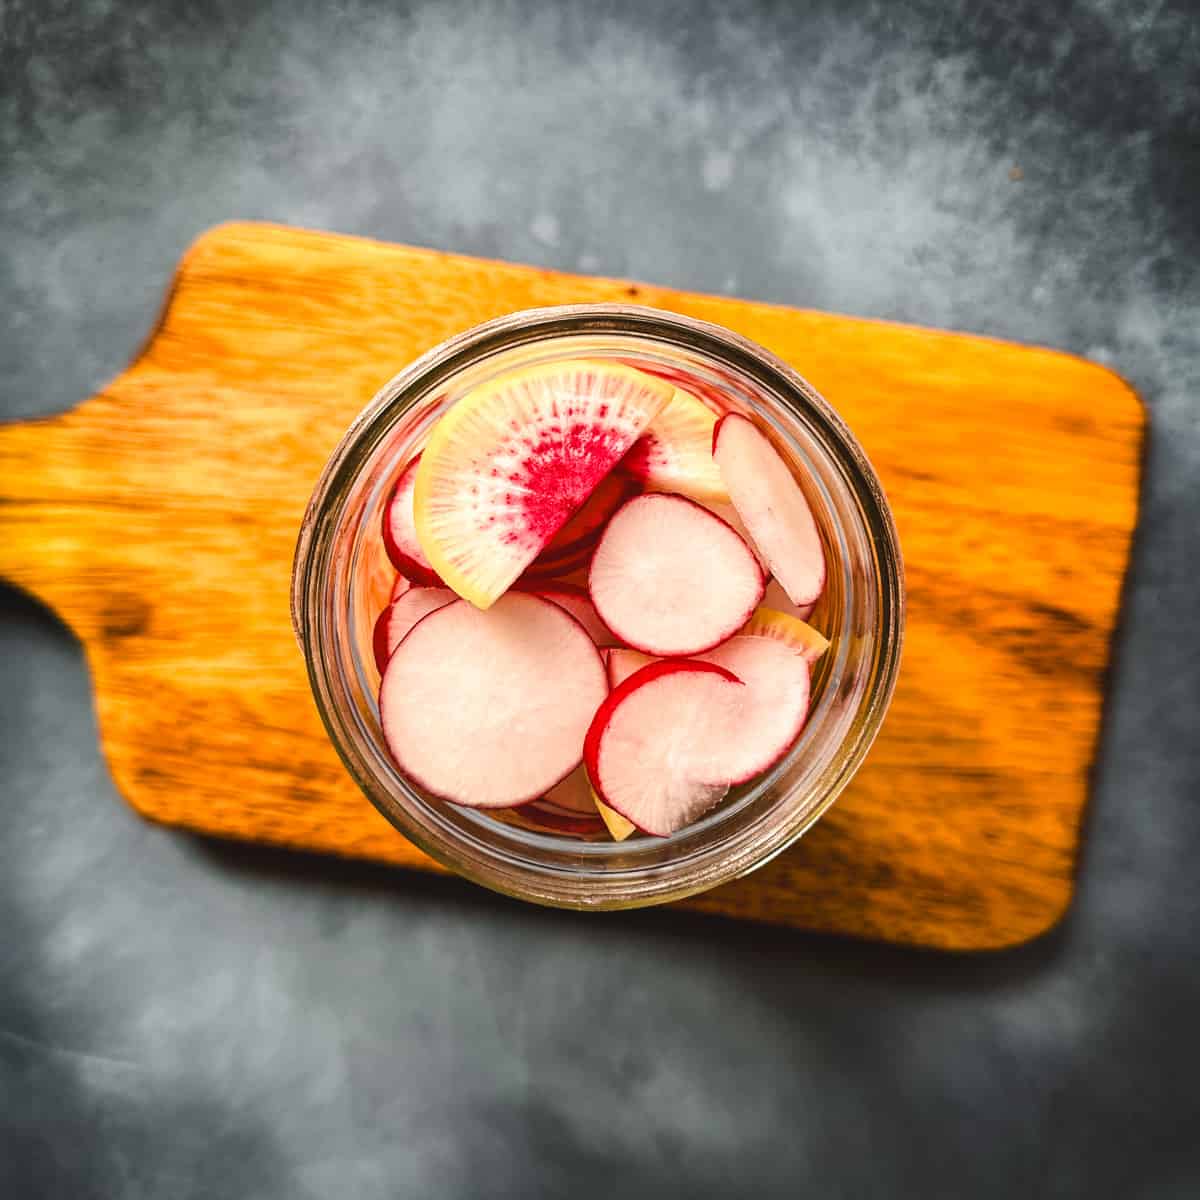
{"type": "Point", "coordinates": [159, 519]}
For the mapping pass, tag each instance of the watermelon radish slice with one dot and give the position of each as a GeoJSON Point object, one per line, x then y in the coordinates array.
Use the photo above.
{"type": "Point", "coordinates": [401, 615]}
{"type": "Point", "coordinates": [669, 578]}
{"type": "Point", "coordinates": [657, 745]}
{"type": "Point", "coordinates": [621, 662]}
{"type": "Point", "coordinates": [579, 604]}
{"type": "Point", "coordinates": [489, 708]}
{"type": "Point", "coordinates": [770, 502]}
{"type": "Point", "coordinates": [512, 461]}
{"type": "Point", "coordinates": [400, 533]}
{"type": "Point", "coordinates": [675, 452]}
{"type": "Point", "coordinates": [773, 708]}
{"type": "Point", "coordinates": [708, 394]}
{"type": "Point", "coordinates": [583, 530]}
{"type": "Point", "coordinates": [768, 622]}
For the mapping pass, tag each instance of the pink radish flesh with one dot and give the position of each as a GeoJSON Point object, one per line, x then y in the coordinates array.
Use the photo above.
{"type": "Point", "coordinates": [489, 708]}
{"type": "Point", "coordinates": [650, 749]}
{"type": "Point", "coordinates": [400, 586]}
{"type": "Point", "coordinates": [582, 530]}
{"type": "Point", "coordinates": [579, 604]}
{"type": "Point", "coordinates": [573, 794]}
{"type": "Point", "coordinates": [400, 533]}
{"type": "Point", "coordinates": [621, 663]}
{"type": "Point", "coordinates": [728, 514]}
{"type": "Point", "coordinates": [773, 708]}
{"type": "Point", "coordinates": [401, 615]}
{"type": "Point", "coordinates": [775, 597]}
{"type": "Point", "coordinates": [669, 578]}
{"type": "Point", "coordinates": [572, 546]}
{"type": "Point", "coordinates": [543, 819]}
{"type": "Point", "coordinates": [545, 568]}
{"type": "Point", "coordinates": [770, 502]}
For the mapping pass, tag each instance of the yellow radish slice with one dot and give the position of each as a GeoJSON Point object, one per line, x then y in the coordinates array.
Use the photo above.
{"type": "Point", "coordinates": [617, 825]}
{"type": "Point", "coordinates": [509, 464]}
{"type": "Point", "coordinates": [768, 622]}
{"type": "Point", "coordinates": [675, 452]}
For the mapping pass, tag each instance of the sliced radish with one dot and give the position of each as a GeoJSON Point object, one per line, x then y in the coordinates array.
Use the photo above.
{"type": "Point", "coordinates": [543, 570]}
{"type": "Point", "coordinates": [655, 747]}
{"type": "Point", "coordinates": [490, 708]}
{"type": "Point", "coordinates": [572, 546]}
{"type": "Point", "coordinates": [583, 529]}
{"type": "Point", "coordinates": [512, 461]}
{"type": "Point", "coordinates": [616, 824]}
{"type": "Point", "coordinates": [768, 622]}
{"type": "Point", "coordinates": [541, 819]}
{"type": "Point", "coordinates": [399, 587]}
{"type": "Point", "coordinates": [675, 452]}
{"type": "Point", "coordinates": [770, 502]}
{"type": "Point", "coordinates": [579, 604]}
{"type": "Point", "coordinates": [669, 578]}
{"type": "Point", "coordinates": [621, 662]}
{"type": "Point", "coordinates": [574, 794]}
{"type": "Point", "coordinates": [728, 514]}
{"type": "Point", "coordinates": [773, 709]}
{"type": "Point", "coordinates": [775, 597]}
{"type": "Point", "coordinates": [400, 533]}
{"type": "Point", "coordinates": [709, 394]}
{"type": "Point", "coordinates": [401, 615]}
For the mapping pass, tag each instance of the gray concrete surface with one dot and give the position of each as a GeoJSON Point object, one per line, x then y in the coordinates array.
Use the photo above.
{"type": "Point", "coordinates": [184, 1020]}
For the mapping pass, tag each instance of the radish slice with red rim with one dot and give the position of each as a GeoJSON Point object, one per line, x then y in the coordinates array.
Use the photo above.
{"type": "Point", "coordinates": [401, 615]}
{"type": "Point", "coordinates": [400, 532]}
{"type": "Point", "coordinates": [773, 707]}
{"type": "Point", "coordinates": [489, 708]}
{"type": "Point", "coordinates": [579, 604]}
{"type": "Point", "coordinates": [772, 505]}
{"type": "Point", "coordinates": [655, 749]}
{"type": "Point", "coordinates": [670, 578]}
{"type": "Point", "coordinates": [621, 662]}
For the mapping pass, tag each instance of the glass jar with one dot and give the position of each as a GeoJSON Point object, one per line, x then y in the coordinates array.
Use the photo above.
{"type": "Point", "coordinates": [341, 579]}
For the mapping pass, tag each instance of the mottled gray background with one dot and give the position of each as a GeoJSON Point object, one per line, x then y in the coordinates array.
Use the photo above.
{"type": "Point", "coordinates": [183, 1020]}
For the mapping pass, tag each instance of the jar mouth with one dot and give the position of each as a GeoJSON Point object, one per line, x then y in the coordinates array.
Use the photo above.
{"type": "Point", "coordinates": [856, 684]}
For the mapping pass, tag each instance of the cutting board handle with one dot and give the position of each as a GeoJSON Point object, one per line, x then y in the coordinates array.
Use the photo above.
{"type": "Point", "coordinates": [51, 501]}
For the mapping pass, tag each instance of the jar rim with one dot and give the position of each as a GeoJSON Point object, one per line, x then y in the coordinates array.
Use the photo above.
{"type": "Point", "coordinates": [576, 887]}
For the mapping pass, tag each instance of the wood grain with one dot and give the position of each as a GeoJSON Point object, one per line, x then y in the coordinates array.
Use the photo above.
{"type": "Point", "coordinates": [159, 519]}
